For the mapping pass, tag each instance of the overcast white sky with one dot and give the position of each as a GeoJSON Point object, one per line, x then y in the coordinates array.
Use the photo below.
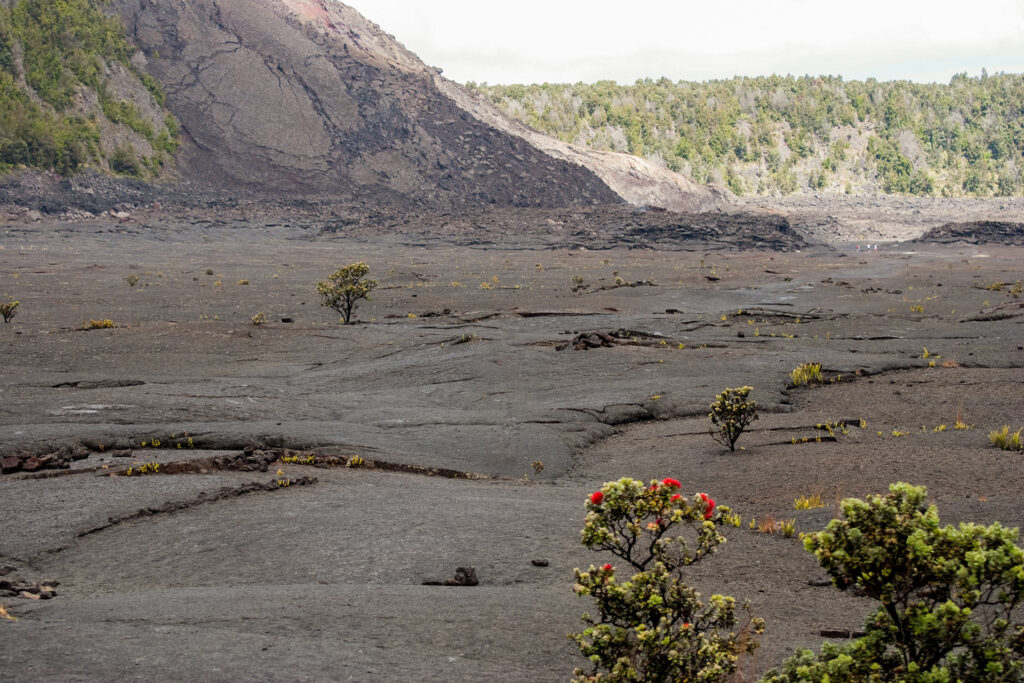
{"type": "Point", "coordinates": [533, 41]}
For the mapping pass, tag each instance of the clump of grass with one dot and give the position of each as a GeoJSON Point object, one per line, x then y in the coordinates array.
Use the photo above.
{"type": "Point", "coordinates": [1017, 289]}
{"type": "Point", "coordinates": [808, 502]}
{"type": "Point", "coordinates": [132, 279]}
{"type": "Point", "coordinates": [806, 373]}
{"type": "Point", "coordinates": [355, 461]}
{"type": "Point", "coordinates": [1006, 440]}
{"type": "Point", "coordinates": [960, 425]}
{"type": "Point", "coordinates": [770, 525]}
{"type": "Point", "coordinates": [259, 319]}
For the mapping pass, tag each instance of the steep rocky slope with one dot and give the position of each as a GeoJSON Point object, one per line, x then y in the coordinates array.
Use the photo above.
{"type": "Point", "coordinates": [71, 96]}
{"type": "Point", "coordinates": [307, 97]}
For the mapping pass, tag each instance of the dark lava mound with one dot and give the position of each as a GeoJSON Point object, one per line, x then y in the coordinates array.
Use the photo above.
{"type": "Point", "coordinates": [976, 232]}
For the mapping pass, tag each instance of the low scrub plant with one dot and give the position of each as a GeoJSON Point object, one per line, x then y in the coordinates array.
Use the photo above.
{"type": "Point", "coordinates": [102, 324]}
{"type": "Point", "coordinates": [132, 279]}
{"type": "Point", "coordinates": [653, 626]}
{"type": "Point", "coordinates": [948, 597]}
{"type": "Point", "coordinates": [1005, 439]}
{"type": "Point", "coordinates": [259, 319]}
{"type": "Point", "coordinates": [345, 287]}
{"type": "Point", "coordinates": [807, 373]}
{"type": "Point", "coordinates": [8, 309]}
{"type": "Point", "coordinates": [730, 415]}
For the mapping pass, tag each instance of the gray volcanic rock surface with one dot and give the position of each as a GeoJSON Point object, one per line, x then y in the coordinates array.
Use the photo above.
{"type": "Point", "coordinates": [301, 97]}
{"type": "Point", "coordinates": [462, 360]}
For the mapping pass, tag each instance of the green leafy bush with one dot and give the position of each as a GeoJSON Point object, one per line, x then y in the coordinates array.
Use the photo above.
{"type": "Point", "coordinates": [125, 161]}
{"type": "Point", "coordinates": [653, 626]}
{"type": "Point", "coordinates": [948, 597]}
{"type": "Point", "coordinates": [345, 287]}
{"type": "Point", "coordinates": [730, 414]}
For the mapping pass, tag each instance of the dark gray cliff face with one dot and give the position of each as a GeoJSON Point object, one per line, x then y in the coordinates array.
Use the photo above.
{"type": "Point", "coordinates": [305, 97]}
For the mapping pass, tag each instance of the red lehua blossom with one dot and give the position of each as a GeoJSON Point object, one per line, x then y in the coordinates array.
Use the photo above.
{"type": "Point", "coordinates": [686, 625]}
{"type": "Point", "coordinates": [596, 497]}
{"type": "Point", "coordinates": [676, 496]}
{"type": "Point", "coordinates": [674, 483]}
{"type": "Point", "coordinates": [607, 567]}
{"type": "Point", "coordinates": [710, 510]}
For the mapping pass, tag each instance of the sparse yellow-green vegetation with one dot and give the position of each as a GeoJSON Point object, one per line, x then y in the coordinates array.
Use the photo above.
{"type": "Point", "coordinates": [259, 319]}
{"type": "Point", "coordinates": [101, 324]}
{"type": "Point", "coordinates": [148, 468]}
{"type": "Point", "coordinates": [8, 309]}
{"type": "Point", "coordinates": [807, 373]}
{"type": "Point", "coordinates": [808, 502]}
{"type": "Point", "coordinates": [1006, 440]}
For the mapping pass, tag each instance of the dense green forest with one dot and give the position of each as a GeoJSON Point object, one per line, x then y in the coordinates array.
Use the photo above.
{"type": "Point", "coordinates": [780, 134]}
{"type": "Point", "coordinates": [56, 104]}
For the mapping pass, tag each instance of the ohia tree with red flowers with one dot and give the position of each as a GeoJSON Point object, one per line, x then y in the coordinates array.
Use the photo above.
{"type": "Point", "coordinates": [654, 626]}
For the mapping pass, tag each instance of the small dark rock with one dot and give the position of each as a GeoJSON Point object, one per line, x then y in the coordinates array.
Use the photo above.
{"type": "Point", "coordinates": [464, 576]}
{"type": "Point", "coordinates": [31, 464]}
{"type": "Point", "coordinates": [10, 464]}
{"type": "Point", "coordinates": [539, 563]}
{"type": "Point", "coordinates": [287, 320]}
{"type": "Point", "coordinates": [124, 453]}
